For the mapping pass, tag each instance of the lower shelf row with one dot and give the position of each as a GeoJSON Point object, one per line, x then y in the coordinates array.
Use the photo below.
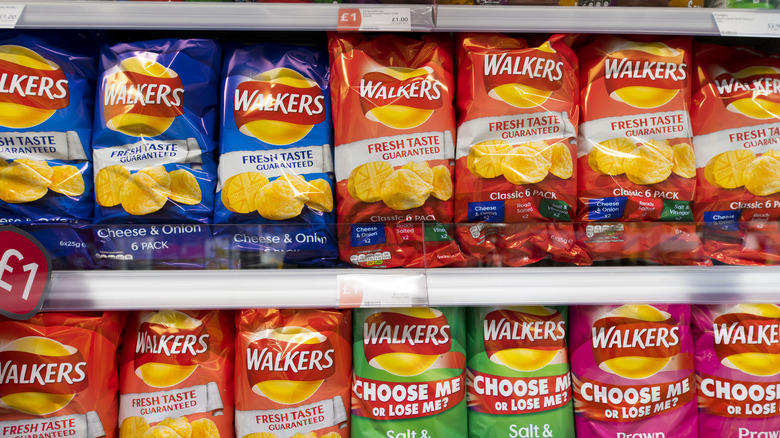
{"type": "Point", "coordinates": [618, 371]}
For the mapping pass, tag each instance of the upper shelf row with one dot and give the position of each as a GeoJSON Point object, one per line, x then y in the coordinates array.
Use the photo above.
{"type": "Point", "coordinates": [446, 18]}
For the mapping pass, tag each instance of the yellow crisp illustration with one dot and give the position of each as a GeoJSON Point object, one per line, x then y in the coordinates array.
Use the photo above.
{"type": "Point", "coordinates": [331, 435]}
{"type": "Point", "coordinates": [20, 182]}
{"type": "Point", "coordinates": [648, 165]}
{"type": "Point", "coordinates": [160, 432]}
{"type": "Point", "coordinates": [40, 167]}
{"type": "Point", "coordinates": [204, 428]}
{"type": "Point", "coordinates": [762, 176]}
{"type": "Point", "coordinates": [684, 160]}
{"type": "Point", "coordinates": [561, 163]}
{"type": "Point", "coordinates": [609, 157]}
{"type": "Point", "coordinates": [300, 186]}
{"type": "Point", "coordinates": [260, 435]}
{"type": "Point", "coordinates": [279, 200]}
{"type": "Point", "coordinates": [771, 153]}
{"type": "Point", "coordinates": [525, 165]}
{"type": "Point", "coordinates": [159, 174]}
{"type": "Point", "coordinates": [180, 425]}
{"type": "Point", "coordinates": [108, 183]}
{"type": "Point", "coordinates": [442, 183]}
{"type": "Point", "coordinates": [133, 427]}
{"type": "Point", "coordinates": [727, 170]}
{"type": "Point", "coordinates": [305, 435]}
{"type": "Point", "coordinates": [485, 159]}
{"type": "Point", "coordinates": [423, 170]}
{"type": "Point", "coordinates": [184, 188]}
{"type": "Point", "coordinates": [142, 195]}
{"type": "Point", "coordinates": [365, 181]}
{"type": "Point", "coordinates": [67, 180]}
{"type": "Point", "coordinates": [404, 190]}
{"type": "Point", "coordinates": [320, 195]}
{"type": "Point", "coordinates": [542, 147]}
{"type": "Point", "coordinates": [662, 147]}
{"type": "Point", "coordinates": [240, 191]}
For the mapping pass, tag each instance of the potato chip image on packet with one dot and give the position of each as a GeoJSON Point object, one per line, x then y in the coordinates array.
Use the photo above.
{"type": "Point", "coordinates": [79, 348]}
{"type": "Point", "coordinates": [152, 150]}
{"type": "Point", "coordinates": [67, 180]}
{"type": "Point", "coordinates": [141, 195]}
{"type": "Point", "coordinates": [24, 181]}
{"type": "Point", "coordinates": [365, 181]}
{"type": "Point", "coordinates": [171, 355]}
{"type": "Point", "coordinates": [45, 127]}
{"type": "Point", "coordinates": [634, 130]}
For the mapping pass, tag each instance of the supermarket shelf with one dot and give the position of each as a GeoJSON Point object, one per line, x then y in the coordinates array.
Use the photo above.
{"type": "Point", "coordinates": [123, 290]}
{"type": "Point", "coordinates": [302, 17]}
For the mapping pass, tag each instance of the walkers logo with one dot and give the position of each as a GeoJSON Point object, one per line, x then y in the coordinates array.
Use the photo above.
{"type": "Point", "coordinates": [141, 97]}
{"type": "Point", "coordinates": [32, 88]}
{"type": "Point", "coordinates": [400, 97]}
{"type": "Point", "coordinates": [525, 79]}
{"type": "Point", "coordinates": [645, 75]}
{"type": "Point", "coordinates": [279, 106]}
{"type": "Point", "coordinates": [748, 339]}
{"type": "Point", "coordinates": [752, 91]}
{"type": "Point", "coordinates": [39, 376]}
{"type": "Point", "coordinates": [289, 364]}
{"type": "Point", "coordinates": [635, 341]}
{"type": "Point", "coordinates": [406, 342]}
{"type": "Point", "coordinates": [524, 338]}
{"type": "Point", "coordinates": [169, 346]}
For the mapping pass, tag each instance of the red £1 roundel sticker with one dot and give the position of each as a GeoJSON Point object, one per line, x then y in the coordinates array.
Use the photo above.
{"type": "Point", "coordinates": [25, 274]}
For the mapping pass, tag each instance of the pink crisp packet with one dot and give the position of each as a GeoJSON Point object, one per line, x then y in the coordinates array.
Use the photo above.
{"type": "Point", "coordinates": [738, 369]}
{"type": "Point", "coordinates": [632, 369]}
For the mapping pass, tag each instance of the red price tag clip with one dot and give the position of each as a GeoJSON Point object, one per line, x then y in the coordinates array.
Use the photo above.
{"type": "Point", "coordinates": [25, 274]}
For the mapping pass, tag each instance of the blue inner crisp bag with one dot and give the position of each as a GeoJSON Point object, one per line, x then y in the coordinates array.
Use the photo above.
{"type": "Point", "coordinates": [154, 132]}
{"type": "Point", "coordinates": [46, 105]}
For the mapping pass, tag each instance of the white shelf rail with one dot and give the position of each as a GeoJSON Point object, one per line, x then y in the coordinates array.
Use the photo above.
{"type": "Point", "coordinates": [306, 288]}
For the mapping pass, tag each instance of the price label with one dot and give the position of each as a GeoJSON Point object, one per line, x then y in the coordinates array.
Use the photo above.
{"type": "Point", "coordinates": [753, 23]}
{"type": "Point", "coordinates": [376, 19]}
{"type": "Point", "coordinates": [25, 274]}
{"type": "Point", "coordinates": [9, 15]}
{"type": "Point", "coordinates": [356, 290]}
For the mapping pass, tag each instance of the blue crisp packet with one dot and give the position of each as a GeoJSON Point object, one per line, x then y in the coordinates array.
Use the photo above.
{"type": "Point", "coordinates": [276, 165]}
{"type": "Point", "coordinates": [154, 132]}
{"type": "Point", "coordinates": [46, 104]}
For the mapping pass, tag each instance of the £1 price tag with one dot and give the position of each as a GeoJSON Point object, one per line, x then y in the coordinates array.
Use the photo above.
{"type": "Point", "coordinates": [25, 274]}
{"type": "Point", "coordinates": [375, 19]}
